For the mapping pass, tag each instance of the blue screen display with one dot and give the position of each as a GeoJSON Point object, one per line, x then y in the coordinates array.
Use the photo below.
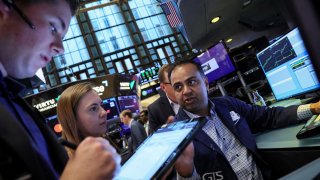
{"type": "Point", "coordinates": [287, 66]}
{"type": "Point", "coordinates": [216, 62]}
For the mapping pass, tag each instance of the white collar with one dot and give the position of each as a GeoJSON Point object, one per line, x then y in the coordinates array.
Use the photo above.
{"type": "Point", "coordinates": [212, 111]}
{"type": "Point", "coordinates": [130, 123]}
{"type": "Point", "coordinates": [170, 101]}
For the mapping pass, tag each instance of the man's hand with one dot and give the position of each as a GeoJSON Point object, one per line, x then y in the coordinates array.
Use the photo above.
{"type": "Point", "coordinates": [170, 119]}
{"type": "Point", "coordinates": [94, 158]}
{"type": "Point", "coordinates": [315, 107]}
{"type": "Point", "coordinates": [184, 164]}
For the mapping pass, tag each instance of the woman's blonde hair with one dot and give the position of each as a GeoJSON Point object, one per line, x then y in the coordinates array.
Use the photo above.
{"type": "Point", "coordinates": [67, 110]}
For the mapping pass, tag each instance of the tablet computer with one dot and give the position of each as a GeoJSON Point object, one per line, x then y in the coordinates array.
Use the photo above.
{"type": "Point", "coordinates": [160, 150]}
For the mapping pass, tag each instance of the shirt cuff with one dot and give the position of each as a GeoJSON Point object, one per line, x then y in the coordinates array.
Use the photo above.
{"type": "Point", "coordinates": [304, 112]}
{"type": "Point", "coordinates": [195, 176]}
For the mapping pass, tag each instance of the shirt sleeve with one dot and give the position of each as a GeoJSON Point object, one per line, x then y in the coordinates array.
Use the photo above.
{"type": "Point", "coordinates": [304, 112]}
{"type": "Point", "coordinates": [195, 176]}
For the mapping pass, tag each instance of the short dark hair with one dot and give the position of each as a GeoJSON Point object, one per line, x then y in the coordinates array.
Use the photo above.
{"type": "Point", "coordinates": [73, 4]}
{"type": "Point", "coordinates": [183, 62]}
{"type": "Point", "coordinates": [126, 112]}
{"type": "Point", "coordinates": [145, 112]}
{"type": "Point", "coordinates": [162, 70]}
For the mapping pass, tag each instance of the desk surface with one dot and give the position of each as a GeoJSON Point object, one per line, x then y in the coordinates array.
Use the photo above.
{"type": "Point", "coordinates": [309, 171]}
{"type": "Point", "coordinates": [285, 138]}
{"type": "Point", "coordinates": [290, 102]}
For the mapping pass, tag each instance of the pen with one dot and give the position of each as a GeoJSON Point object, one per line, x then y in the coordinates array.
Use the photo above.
{"type": "Point", "coordinates": [68, 144]}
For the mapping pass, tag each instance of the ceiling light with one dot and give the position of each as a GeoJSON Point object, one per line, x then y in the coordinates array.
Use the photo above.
{"type": "Point", "coordinates": [228, 40]}
{"type": "Point", "coordinates": [215, 19]}
{"type": "Point", "coordinates": [200, 55]}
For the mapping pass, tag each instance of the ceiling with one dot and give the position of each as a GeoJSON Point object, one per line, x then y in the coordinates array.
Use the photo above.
{"type": "Point", "coordinates": [241, 20]}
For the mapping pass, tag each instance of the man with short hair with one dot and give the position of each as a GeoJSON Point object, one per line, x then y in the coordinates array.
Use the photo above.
{"type": "Point", "coordinates": [225, 147]}
{"type": "Point", "coordinates": [165, 107]}
{"type": "Point", "coordinates": [138, 133]}
{"type": "Point", "coordinates": [31, 34]}
{"type": "Point", "coordinates": [144, 119]}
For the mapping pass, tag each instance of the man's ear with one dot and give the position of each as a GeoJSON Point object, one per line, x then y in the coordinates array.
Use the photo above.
{"type": "Point", "coordinates": [206, 82]}
{"type": "Point", "coordinates": [162, 86]}
{"type": "Point", "coordinates": [4, 10]}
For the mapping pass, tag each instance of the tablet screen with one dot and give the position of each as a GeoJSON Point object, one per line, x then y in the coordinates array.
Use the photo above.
{"type": "Point", "coordinates": [159, 150]}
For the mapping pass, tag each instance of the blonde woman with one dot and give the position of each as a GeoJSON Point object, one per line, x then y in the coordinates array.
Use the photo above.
{"type": "Point", "coordinates": [80, 113]}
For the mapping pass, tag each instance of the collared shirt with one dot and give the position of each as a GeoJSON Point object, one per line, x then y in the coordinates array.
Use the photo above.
{"type": "Point", "coordinates": [304, 112]}
{"type": "Point", "coordinates": [239, 157]}
{"type": "Point", "coordinates": [130, 123]}
{"type": "Point", "coordinates": [175, 107]}
{"type": "Point", "coordinates": [9, 90]}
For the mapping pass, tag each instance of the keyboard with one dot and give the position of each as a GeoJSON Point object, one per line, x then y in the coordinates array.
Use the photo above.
{"type": "Point", "coordinates": [311, 128]}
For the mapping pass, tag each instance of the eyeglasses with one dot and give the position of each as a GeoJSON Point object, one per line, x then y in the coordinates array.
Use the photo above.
{"type": "Point", "coordinates": [10, 3]}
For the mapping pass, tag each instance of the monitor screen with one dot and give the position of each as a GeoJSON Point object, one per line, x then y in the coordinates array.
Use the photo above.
{"type": "Point", "coordinates": [216, 62]}
{"type": "Point", "coordinates": [148, 74]}
{"type": "Point", "coordinates": [287, 66]}
{"type": "Point", "coordinates": [129, 102]}
{"type": "Point", "coordinates": [110, 105]}
{"type": "Point", "coordinates": [54, 124]}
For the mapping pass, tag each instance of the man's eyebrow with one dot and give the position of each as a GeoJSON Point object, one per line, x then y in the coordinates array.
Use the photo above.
{"type": "Point", "coordinates": [63, 24]}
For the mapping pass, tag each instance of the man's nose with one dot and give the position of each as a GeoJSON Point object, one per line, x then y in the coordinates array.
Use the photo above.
{"type": "Point", "coordinates": [57, 46]}
{"type": "Point", "coordinates": [186, 89]}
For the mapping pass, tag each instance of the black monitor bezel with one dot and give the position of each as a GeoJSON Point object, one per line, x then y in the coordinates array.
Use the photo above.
{"type": "Point", "coordinates": [294, 95]}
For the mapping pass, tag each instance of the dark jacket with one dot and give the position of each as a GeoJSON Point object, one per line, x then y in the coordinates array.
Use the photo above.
{"type": "Point", "coordinates": [138, 135]}
{"type": "Point", "coordinates": [210, 162]}
{"type": "Point", "coordinates": [159, 111]}
{"type": "Point", "coordinates": [18, 158]}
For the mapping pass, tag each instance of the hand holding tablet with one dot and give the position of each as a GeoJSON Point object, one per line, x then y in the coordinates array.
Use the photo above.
{"type": "Point", "coordinates": [160, 150]}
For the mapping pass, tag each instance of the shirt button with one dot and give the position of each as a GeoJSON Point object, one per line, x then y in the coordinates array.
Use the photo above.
{"type": "Point", "coordinates": [224, 139]}
{"type": "Point", "coordinates": [237, 155]}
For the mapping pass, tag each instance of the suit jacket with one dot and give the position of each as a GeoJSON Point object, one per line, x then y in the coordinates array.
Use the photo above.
{"type": "Point", "coordinates": [158, 113]}
{"type": "Point", "coordinates": [18, 158]}
{"type": "Point", "coordinates": [138, 135]}
{"type": "Point", "coordinates": [210, 162]}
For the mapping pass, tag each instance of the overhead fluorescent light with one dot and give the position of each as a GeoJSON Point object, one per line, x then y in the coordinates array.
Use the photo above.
{"type": "Point", "coordinates": [215, 19]}
{"type": "Point", "coordinates": [228, 40]}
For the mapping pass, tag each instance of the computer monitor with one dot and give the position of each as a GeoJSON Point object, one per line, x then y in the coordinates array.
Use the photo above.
{"type": "Point", "coordinates": [54, 124]}
{"type": "Point", "coordinates": [287, 66]}
{"type": "Point", "coordinates": [148, 75]}
{"type": "Point", "coordinates": [129, 102]}
{"type": "Point", "coordinates": [216, 62]}
{"type": "Point", "coordinates": [111, 106]}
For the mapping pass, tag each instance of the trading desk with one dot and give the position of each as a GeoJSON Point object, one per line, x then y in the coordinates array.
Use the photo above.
{"type": "Point", "coordinates": [284, 152]}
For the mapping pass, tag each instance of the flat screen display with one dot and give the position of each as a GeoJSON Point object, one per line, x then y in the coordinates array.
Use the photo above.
{"type": "Point", "coordinates": [129, 102]}
{"type": "Point", "coordinates": [54, 124]}
{"type": "Point", "coordinates": [287, 66]}
{"type": "Point", "coordinates": [110, 105]}
{"type": "Point", "coordinates": [216, 62]}
{"type": "Point", "coordinates": [148, 75]}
